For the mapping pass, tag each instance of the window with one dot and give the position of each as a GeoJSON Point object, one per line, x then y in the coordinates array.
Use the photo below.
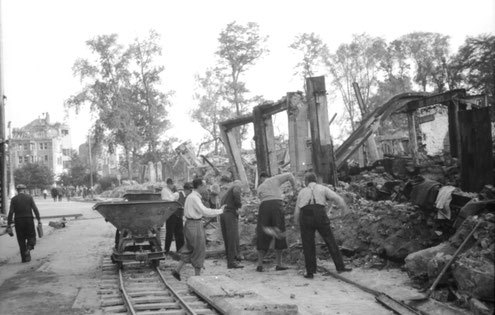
{"type": "Point", "coordinates": [41, 146]}
{"type": "Point", "coordinates": [20, 160]}
{"type": "Point", "coordinates": [26, 146]}
{"type": "Point", "coordinates": [31, 146]}
{"type": "Point", "coordinates": [65, 132]}
{"type": "Point", "coordinates": [26, 159]}
{"type": "Point", "coordinates": [46, 157]}
{"type": "Point", "coordinates": [46, 146]}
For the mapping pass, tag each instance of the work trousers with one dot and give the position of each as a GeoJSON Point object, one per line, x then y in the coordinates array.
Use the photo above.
{"type": "Point", "coordinates": [194, 249]}
{"type": "Point", "coordinates": [230, 232]}
{"type": "Point", "coordinates": [313, 218]}
{"type": "Point", "coordinates": [26, 235]}
{"type": "Point", "coordinates": [174, 229]}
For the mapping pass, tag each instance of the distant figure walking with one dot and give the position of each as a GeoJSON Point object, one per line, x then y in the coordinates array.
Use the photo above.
{"type": "Point", "coordinates": [45, 193]}
{"type": "Point", "coordinates": [21, 211]}
{"type": "Point", "coordinates": [54, 193]}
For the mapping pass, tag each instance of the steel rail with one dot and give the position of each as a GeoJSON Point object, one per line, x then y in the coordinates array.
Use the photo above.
{"type": "Point", "coordinates": [127, 300]}
{"type": "Point", "coordinates": [188, 309]}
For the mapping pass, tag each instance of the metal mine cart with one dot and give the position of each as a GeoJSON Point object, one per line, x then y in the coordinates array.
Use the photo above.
{"type": "Point", "coordinates": [138, 223]}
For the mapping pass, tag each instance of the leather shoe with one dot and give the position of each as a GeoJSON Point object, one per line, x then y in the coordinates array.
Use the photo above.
{"type": "Point", "coordinates": [308, 276]}
{"type": "Point", "coordinates": [27, 254]}
{"type": "Point", "coordinates": [344, 270]}
{"type": "Point", "coordinates": [176, 275]}
{"type": "Point", "coordinates": [259, 269]}
{"type": "Point", "coordinates": [280, 268]}
{"type": "Point", "coordinates": [234, 266]}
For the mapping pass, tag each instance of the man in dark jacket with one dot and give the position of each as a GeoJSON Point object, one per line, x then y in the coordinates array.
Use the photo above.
{"type": "Point", "coordinates": [174, 224]}
{"type": "Point", "coordinates": [230, 223]}
{"type": "Point", "coordinates": [21, 211]}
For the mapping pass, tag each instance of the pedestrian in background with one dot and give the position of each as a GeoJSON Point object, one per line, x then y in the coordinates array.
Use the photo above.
{"type": "Point", "coordinates": [21, 211]}
{"type": "Point", "coordinates": [271, 219]}
{"type": "Point", "coordinates": [310, 213]}
{"type": "Point", "coordinates": [194, 249]}
{"type": "Point", "coordinates": [229, 222]}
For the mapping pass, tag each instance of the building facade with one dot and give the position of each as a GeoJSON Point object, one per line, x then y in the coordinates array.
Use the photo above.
{"type": "Point", "coordinates": [42, 142]}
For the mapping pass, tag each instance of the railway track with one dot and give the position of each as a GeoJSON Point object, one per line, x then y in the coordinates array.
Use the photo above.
{"type": "Point", "coordinates": [145, 290]}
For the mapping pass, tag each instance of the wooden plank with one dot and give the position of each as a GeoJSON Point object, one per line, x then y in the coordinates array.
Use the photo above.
{"type": "Point", "coordinates": [399, 308]}
{"type": "Point", "coordinates": [453, 129]}
{"type": "Point", "coordinates": [75, 215]}
{"type": "Point", "coordinates": [413, 138]}
{"type": "Point", "coordinates": [435, 99]}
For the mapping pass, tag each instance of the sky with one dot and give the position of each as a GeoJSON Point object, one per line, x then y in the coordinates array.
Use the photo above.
{"type": "Point", "coordinates": [41, 40]}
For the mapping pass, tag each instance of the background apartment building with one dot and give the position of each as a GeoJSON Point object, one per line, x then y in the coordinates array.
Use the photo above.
{"type": "Point", "coordinates": [42, 142]}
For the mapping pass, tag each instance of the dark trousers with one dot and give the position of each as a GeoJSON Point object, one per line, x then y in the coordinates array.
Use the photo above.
{"type": "Point", "coordinates": [26, 235]}
{"type": "Point", "coordinates": [314, 218]}
{"type": "Point", "coordinates": [174, 229]}
{"type": "Point", "coordinates": [230, 232]}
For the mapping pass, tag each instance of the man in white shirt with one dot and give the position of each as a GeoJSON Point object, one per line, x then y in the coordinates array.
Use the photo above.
{"type": "Point", "coordinates": [310, 212]}
{"type": "Point", "coordinates": [169, 192]}
{"type": "Point", "coordinates": [194, 249]}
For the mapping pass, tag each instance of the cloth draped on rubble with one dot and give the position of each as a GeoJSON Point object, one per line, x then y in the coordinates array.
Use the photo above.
{"type": "Point", "coordinates": [443, 202]}
{"type": "Point", "coordinates": [425, 193]}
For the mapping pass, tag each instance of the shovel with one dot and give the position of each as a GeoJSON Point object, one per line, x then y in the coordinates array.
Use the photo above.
{"type": "Point", "coordinates": [447, 265]}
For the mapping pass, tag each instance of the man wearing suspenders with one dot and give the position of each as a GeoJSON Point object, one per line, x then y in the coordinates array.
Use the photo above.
{"type": "Point", "coordinates": [310, 212]}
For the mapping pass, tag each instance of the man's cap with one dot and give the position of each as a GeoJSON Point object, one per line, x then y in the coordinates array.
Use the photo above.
{"type": "Point", "coordinates": [20, 186]}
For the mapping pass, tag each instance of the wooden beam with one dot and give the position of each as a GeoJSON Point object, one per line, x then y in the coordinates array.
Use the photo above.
{"type": "Point", "coordinates": [270, 146]}
{"type": "Point", "coordinates": [236, 122]}
{"type": "Point", "coordinates": [273, 108]}
{"type": "Point", "coordinates": [297, 112]}
{"type": "Point", "coordinates": [234, 153]}
{"type": "Point", "coordinates": [261, 148]}
{"type": "Point", "coordinates": [476, 149]}
{"type": "Point", "coordinates": [413, 140]}
{"type": "Point", "coordinates": [323, 163]}
{"type": "Point", "coordinates": [435, 99]}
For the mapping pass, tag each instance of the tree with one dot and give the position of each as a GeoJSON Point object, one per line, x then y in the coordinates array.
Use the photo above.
{"type": "Point", "coordinates": [473, 66]}
{"type": "Point", "coordinates": [240, 47]}
{"type": "Point", "coordinates": [356, 62]}
{"type": "Point", "coordinates": [34, 175]}
{"type": "Point", "coordinates": [313, 51]}
{"type": "Point", "coordinates": [152, 109]}
{"type": "Point", "coordinates": [210, 110]}
{"type": "Point", "coordinates": [429, 53]}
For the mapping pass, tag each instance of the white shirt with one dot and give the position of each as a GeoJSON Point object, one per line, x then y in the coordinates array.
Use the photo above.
{"type": "Point", "coordinates": [168, 195]}
{"type": "Point", "coordinates": [195, 209]}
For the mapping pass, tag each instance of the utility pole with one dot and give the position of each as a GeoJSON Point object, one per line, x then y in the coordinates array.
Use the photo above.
{"type": "Point", "coordinates": [3, 158]}
{"type": "Point", "coordinates": [90, 167]}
